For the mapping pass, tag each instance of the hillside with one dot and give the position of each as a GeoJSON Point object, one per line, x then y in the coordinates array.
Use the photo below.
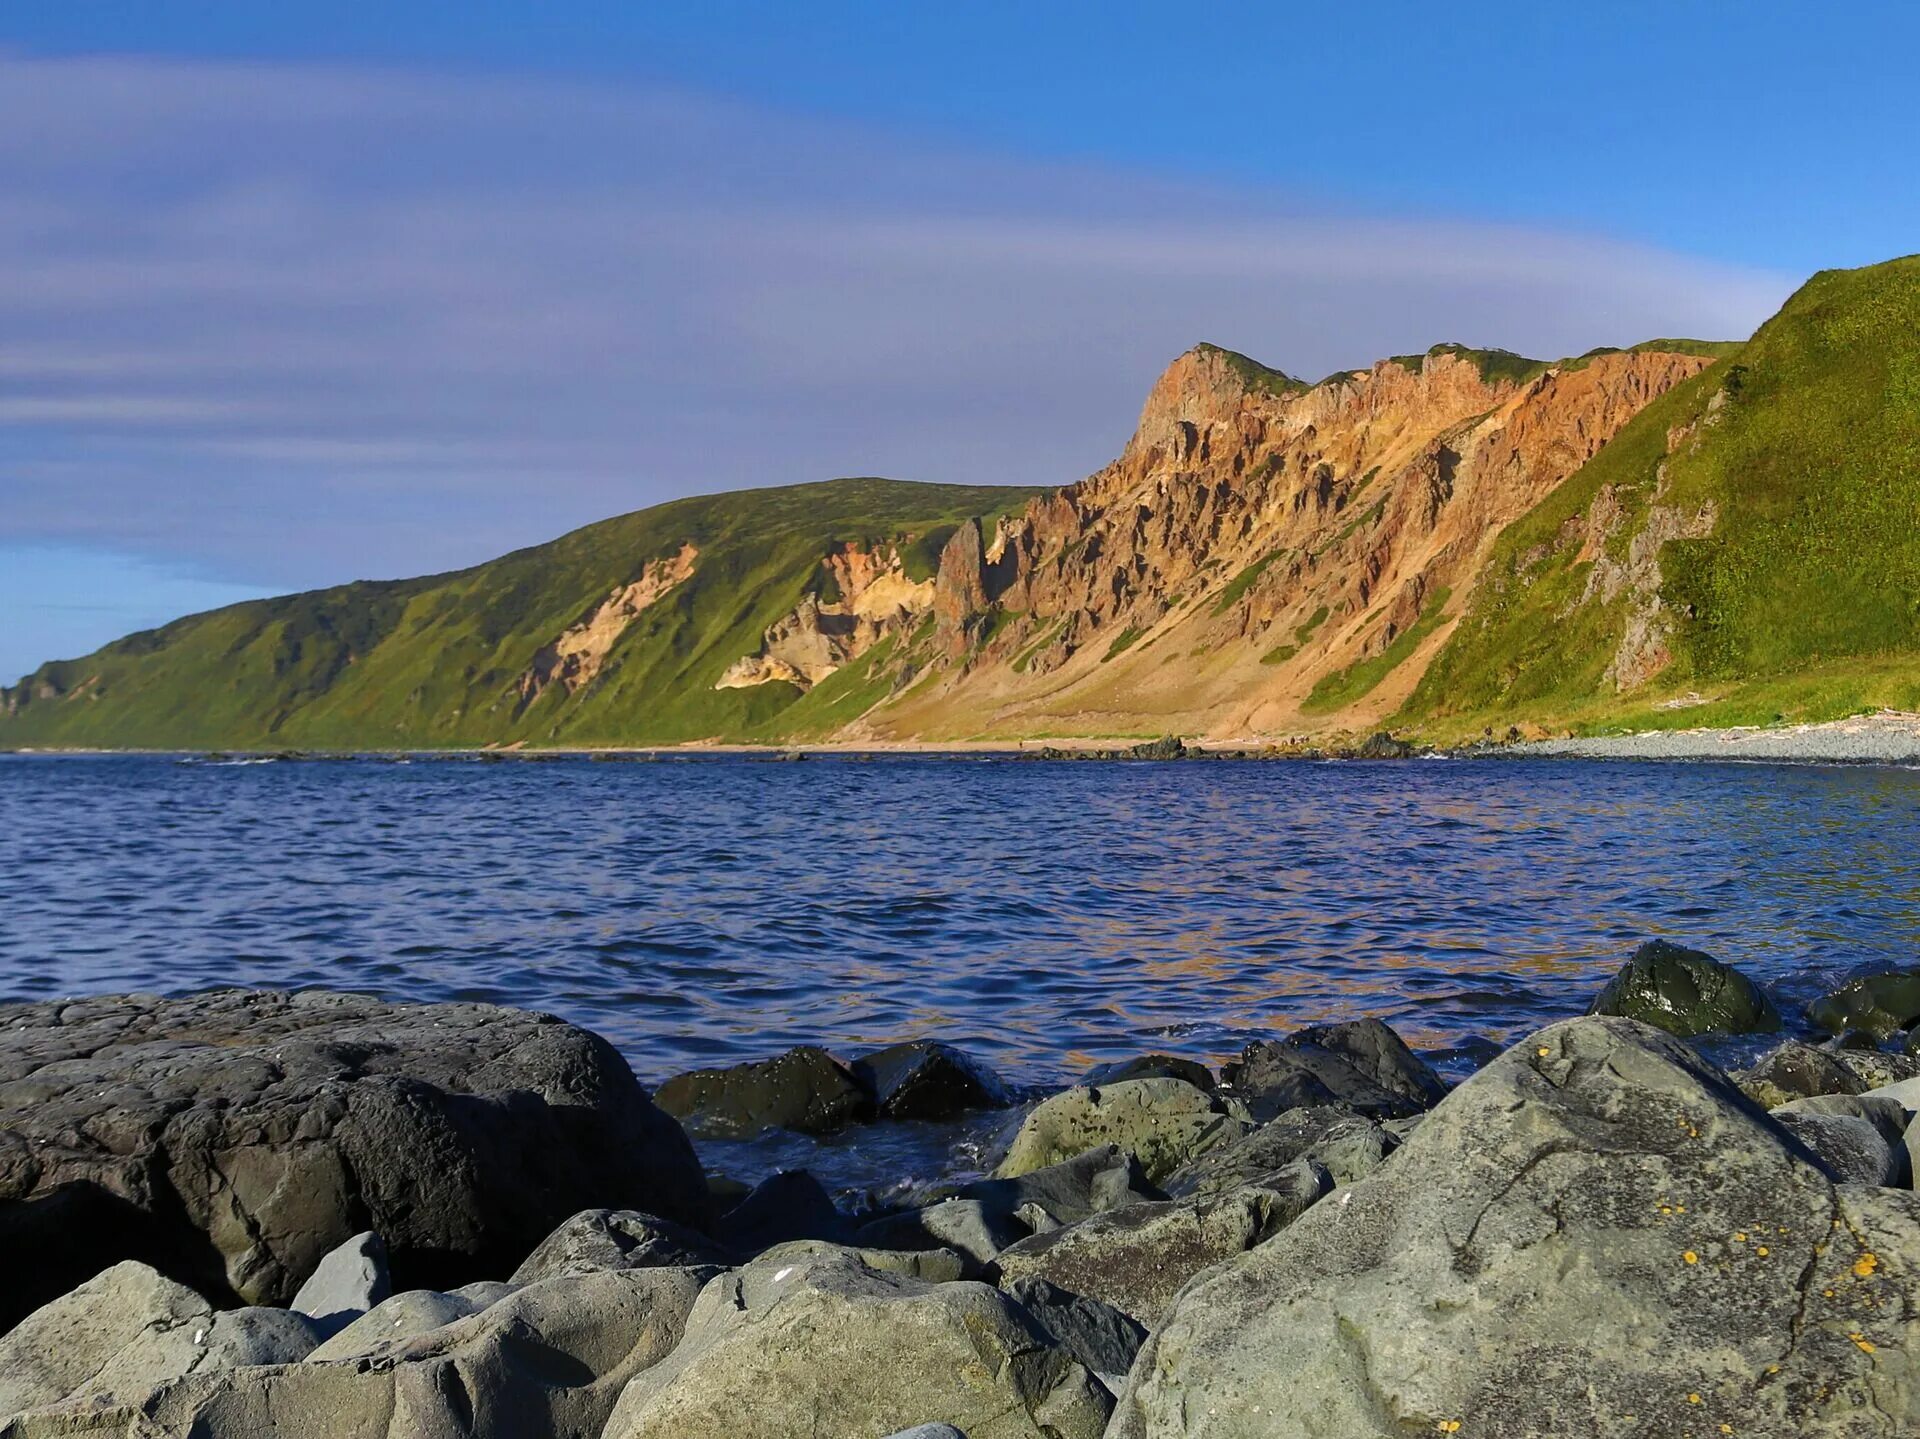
{"type": "Point", "coordinates": [1744, 551]}
{"type": "Point", "coordinates": [1451, 542]}
{"type": "Point", "coordinates": [617, 633]}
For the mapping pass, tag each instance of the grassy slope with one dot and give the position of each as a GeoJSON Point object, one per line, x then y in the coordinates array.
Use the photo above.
{"type": "Point", "coordinates": [434, 661]}
{"type": "Point", "coordinates": [1803, 603]}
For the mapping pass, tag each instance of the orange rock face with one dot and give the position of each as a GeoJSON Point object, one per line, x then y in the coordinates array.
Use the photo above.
{"type": "Point", "coordinates": [1256, 540]}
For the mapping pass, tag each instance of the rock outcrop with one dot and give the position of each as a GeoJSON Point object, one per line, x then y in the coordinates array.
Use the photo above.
{"type": "Point", "coordinates": [868, 596]}
{"type": "Point", "coordinates": [1686, 992]}
{"type": "Point", "coordinates": [232, 1138]}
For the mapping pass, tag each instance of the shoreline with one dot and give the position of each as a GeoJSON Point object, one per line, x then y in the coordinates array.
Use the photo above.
{"type": "Point", "coordinates": [1883, 737]}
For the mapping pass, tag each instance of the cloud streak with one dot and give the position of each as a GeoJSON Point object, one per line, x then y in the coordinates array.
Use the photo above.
{"type": "Point", "coordinates": [292, 325]}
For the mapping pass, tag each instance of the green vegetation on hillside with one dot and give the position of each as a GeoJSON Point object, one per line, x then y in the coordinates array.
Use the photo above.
{"type": "Point", "coordinates": [1801, 448]}
{"type": "Point", "coordinates": [1254, 375]}
{"type": "Point", "coordinates": [438, 661]}
{"type": "Point", "coordinates": [1358, 680]}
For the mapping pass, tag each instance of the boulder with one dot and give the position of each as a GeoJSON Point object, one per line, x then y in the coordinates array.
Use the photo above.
{"type": "Point", "coordinates": [790, 1205]}
{"type": "Point", "coordinates": [965, 1226]}
{"type": "Point", "coordinates": [924, 1079]}
{"type": "Point", "coordinates": [403, 1316]}
{"type": "Point", "coordinates": [241, 1338]}
{"type": "Point", "coordinates": [1850, 1149]}
{"type": "Point", "coordinates": [1152, 1066]}
{"type": "Point", "coordinates": [618, 1239]}
{"type": "Point", "coordinates": [928, 1431]}
{"type": "Point", "coordinates": [1598, 1234]}
{"type": "Point", "coordinates": [828, 1346]}
{"type": "Point", "coordinates": [1102, 1178]}
{"type": "Point", "coordinates": [1136, 1259]}
{"type": "Point", "coordinates": [1686, 992]}
{"type": "Point", "coordinates": [928, 1266]}
{"type": "Point", "coordinates": [1362, 1065]}
{"type": "Point", "coordinates": [231, 1139]}
{"type": "Point", "coordinates": [1098, 1335]}
{"type": "Point", "coordinates": [129, 1327]}
{"type": "Point", "coordinates": [806, 1090]}
{"type": "Point", "coordinates": [1348, 1146]}
{"type": "Point", "coordinates": [346, 1283]}
{"type": "Point", "coordinates": [550, 1360]}
{"type": "Point", "coordinates": [1165, 1123]}
{"type": "Point", "coordinates": [1876, 1068]}
{"type": "Point", "coordinates": [1796, 1071]}
{"type": "Point", "coordinates": [1877, 1003]}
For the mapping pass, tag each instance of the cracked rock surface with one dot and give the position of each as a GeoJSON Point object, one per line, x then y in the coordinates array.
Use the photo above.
{"type": "Point", "coordinates": [1598, 1234]}
{"type": "Point", "coordinates": [232, 1138]}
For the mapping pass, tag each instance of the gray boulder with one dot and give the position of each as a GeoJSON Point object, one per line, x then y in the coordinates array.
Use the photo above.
{"type": "Point", "coordinates": [347, 1282]}
{"type": "Point", "coordinates": [1103, 1178]}
{"type": "Point", "coordinates": [1686, 992]}
{"type": "Point", "coordinates": [1362, 1065]}
{"type": "Point", "coordinates": [789, 1205]}
{"type": "Point", "coordinates": [618, 1239]}
{"type": "Point", "coordinates": [241, 1338]}
{"type": "Point", "coordinates": [924, 1079]}
{"type": "Point", "coordinates": [1136, 1259]}
{"type": "Point", "coordinates": [927, 1266]}
{"type": "Point", "coordinates": [232, 1138]}
{"type": "Point", "coordinates": [1876, 1003]}
{"type": "Point", "coordinates": [1152, 1066]}
{"type": "Point", "coordinates": [806, 1090]}
{"type": "Point", "coordinates": [1596, 1235]}
{"type": "Point", "coordinates": [548, 1360]}
{"type": "Point", "coordinates": [1165, 1123]}
{"type": "Point", "coordinates": [1875, 1068]}
{"type": "Point", "coordinates": [828, 1346]}
{"type": "Point", "coordinates": [1850, 1148]}
{"type": "Point", "coordinates": [403, 1316]}
{"type": "Point", "coordinates": [125, 1329]}
{"type": "Point", "coordinates": [1348, 1146]}
{"type": "Point", "coordinates": [964, 1225]}
{"type": "Point", "coordinates": [1098, 1335]}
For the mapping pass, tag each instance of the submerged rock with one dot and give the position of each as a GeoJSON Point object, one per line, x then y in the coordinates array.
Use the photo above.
{"type": "Point", "coordinates": [1877, 1003]}
{"type": "Point", "coordinates": [924, 1079]}
{"type": "Point", "coordinates": [1596, 1235]}
{"type": "Point", "coordinates": [231, 1139]}
{"type": "Point", "coordinates": [1136, 1259]}
{"type": "Point", "coordinates": [1165, 1123]}
{"type": "Point", "coordinates": [1686, 992]}
{"type": "Point", "coordinates": [806, 1090]}
{"type": "Point", "coordinates": [826, 1345]}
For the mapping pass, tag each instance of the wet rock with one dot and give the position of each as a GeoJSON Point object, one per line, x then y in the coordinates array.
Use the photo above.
{"type": "Point", "coordinates": [125, 1329]}
{"type": "Point", "coordinates": [232, 1138]}
{"type": "Point", "coordinates": [1165, 1123]}
{"type": "Point", "coordinates": [790, 1205]}
{"type": "Point", "coordinates": [1686, 992]}
{"type": "Point", "coordinates": [1596, 1226]}
{"type": "Point", "coordinates": [1876, 1068]}
{"type": "Point", "coordinates": [1138, 1258]}
{"type": "Point", "coordinates": [1796, 1071]}
{"type": "Point", "coordinates": [966, 1226]}
{"type": "Point", "coordinates": [806, 1090]}
{"type": "Point", "coordinates": [829, 1346]}
{"type": "Point", "coordinates": [1876, 1003]}
{"type": "Point", "coordinates": [1363, 1065]}
{"type": "Point", "coordinates": [1103, 1339]}
{"type": "Point", "coordinates": [1166, 747]}
{"type": "Point", "coordinates": [550, 1359]}
{"type": "Point", "coordinates": [618, 1239]}
{"type": "Point", "coordinates": [927, 1080]}
{"type": "Point", "coordinates": [347, 1282]}
{"type": "Point", "coordinates": [1103, 1178]}
{"type": "Point", "coordinates": [1348, 1146]}
{"type": "Point", "coordinates": [1382, 745]}
{"type": "Point", "coordinates": [1152, 1066]}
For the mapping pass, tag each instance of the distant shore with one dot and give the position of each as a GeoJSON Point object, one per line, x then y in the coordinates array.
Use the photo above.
{"type": "Point", "coordinates": [1888, 737]}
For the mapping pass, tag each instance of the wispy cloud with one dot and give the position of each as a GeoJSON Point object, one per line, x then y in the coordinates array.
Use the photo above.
{"type": "Point", "coordinates": [292, 325]}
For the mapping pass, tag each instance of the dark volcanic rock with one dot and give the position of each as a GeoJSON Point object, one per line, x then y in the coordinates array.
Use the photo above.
{"type": "Point", "coordinates": [923, 1079]}
{"type": "Point", "coordinates": [1065, 1193]}
{"type": "Point", "coordinates": [806, 1090]}
{"type": "Point", "coordinates": [1363, 1065]}
{"type": "Point", "coordinates": [1348, 1146]}
{"type": "Point", "coordinates": [231, 1139]}
{"type": "Point", "coordinates": [1796, 1071]}
{"type": "Point", "coordinates": [1686, 992]}
{"type": "Point", "coordinates": [790, 1205]}
{"type": "Point", "coordinates": [1152, 1066]}
{"type": "Point", "coordinates": [1597, 1235]}
{"type": "Point", "coordinates": [1877, 1003]}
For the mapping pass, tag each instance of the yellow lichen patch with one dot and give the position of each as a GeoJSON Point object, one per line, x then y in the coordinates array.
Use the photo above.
{"type": "Point", "coordinates": [1693, 1399]}
{"type": "Point", "coordinates": [1452, 1426]}
{"type": "Point", "coordinates": [1544, 1052]}
{"type": "Point", "coordinates": [1762, 1250]}
{"type": "Point", "coordinates": [1740, 1237]}
{"type": "Point", "coordinates": [1691, 1257]}
{"type": "Point", "coordinates": [1865, 1344]}
{"type": "Point", "coordinates": [1864, 1266]}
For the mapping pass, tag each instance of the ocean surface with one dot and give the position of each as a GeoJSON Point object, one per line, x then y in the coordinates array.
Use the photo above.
{"type": "Point", "coordinates": [1043, 916]}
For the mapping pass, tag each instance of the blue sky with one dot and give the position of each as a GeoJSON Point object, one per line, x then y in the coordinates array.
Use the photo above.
{"type": "Point", "coordinates": [296, 293]}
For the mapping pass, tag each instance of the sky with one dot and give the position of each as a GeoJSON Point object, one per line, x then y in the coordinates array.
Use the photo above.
{"type": "Point", "coordinates": [294, 294]}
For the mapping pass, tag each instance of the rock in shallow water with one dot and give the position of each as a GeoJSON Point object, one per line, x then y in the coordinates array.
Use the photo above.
{"type": "Point", "coordinates": [1164, 1123]}
{"type": "Point", "coordinates": [232, 1138]}
{"type": "Point", "coordinates": [1362, 1065]}
{"type": "Point", "coordinates": [1597, 1235]}
{"type": "Point", "coordinates": [924, 1079]}
{"type": "Point", "coordinates": [1876, 1003]}
{"type": "Point", "coordinates": [1686, 992]}
{"type": "Point", "coordinates": [806, 1090]}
